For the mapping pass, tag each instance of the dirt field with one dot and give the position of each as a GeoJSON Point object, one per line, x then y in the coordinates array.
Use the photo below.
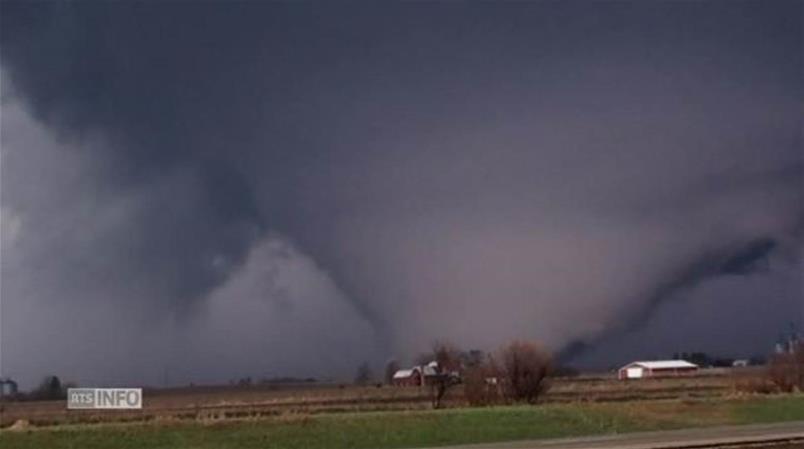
{"type": "Point", "coordinates": [222, 402]}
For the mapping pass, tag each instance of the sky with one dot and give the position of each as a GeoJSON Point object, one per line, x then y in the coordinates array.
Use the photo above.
{"type": "Point", "coordinates": [202, 191]}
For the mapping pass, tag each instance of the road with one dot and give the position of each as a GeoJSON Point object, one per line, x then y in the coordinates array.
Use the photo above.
{"type": "Point", "coordinates": [786, 435]}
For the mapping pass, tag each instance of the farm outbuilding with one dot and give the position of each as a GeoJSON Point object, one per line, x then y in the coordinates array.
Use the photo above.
{"type": "Point", "coordinates": [657, 368]}
{"type": "Point", "coordinates": [407, 378]}
{"type": "Point", "coordinates": [415, 377]}
{"type": "Point", "coordinates": [8, 388]}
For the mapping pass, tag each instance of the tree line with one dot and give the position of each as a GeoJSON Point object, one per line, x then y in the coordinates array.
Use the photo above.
{"type": "Point", "coordinates": [517, 372]}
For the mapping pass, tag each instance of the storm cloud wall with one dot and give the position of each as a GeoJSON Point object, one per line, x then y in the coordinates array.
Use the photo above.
{"type": "Point", "coordinates": [242, 182]}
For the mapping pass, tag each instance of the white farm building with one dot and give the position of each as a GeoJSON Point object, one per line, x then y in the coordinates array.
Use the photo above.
{"type": "Point", "coordinates": [657, 368]}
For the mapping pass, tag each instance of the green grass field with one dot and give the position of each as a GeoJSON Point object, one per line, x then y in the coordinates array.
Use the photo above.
{"type": "Point", "coordinates": [419, 428]}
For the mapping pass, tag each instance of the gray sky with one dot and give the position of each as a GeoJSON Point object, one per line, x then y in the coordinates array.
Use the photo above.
{"type": "Point", "coordinates": [202, 191]}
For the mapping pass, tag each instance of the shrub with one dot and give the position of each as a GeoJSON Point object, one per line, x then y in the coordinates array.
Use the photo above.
{"type": "Point", "coordinates": [753, 383]}
{"type": "Point", "coordinates": [482, 384]}
{"type": "Point", "coordinates": [786, 370]}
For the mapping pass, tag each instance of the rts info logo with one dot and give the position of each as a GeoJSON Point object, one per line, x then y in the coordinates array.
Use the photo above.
{"type": "Point", "coordinates": [104, 398]}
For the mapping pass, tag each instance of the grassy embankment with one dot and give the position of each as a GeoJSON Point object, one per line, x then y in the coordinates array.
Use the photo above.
{"type": "Point", "coordinates": [415, 428]}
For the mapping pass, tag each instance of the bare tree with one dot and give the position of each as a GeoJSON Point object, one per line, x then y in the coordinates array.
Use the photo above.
{"type": "Point", "coordinates": [363, 375]}
{"type": "Point", "coordinates": [390, 369]}
{"type": "Point", "coordinates": [447, 356]}
{"type": "Point", "coordinates": [447, 371]}
{"type": "Point", "coordinates": [524, 368]}
{"type": "Point", "coordinates": [49, 389]}
{"type": "Point", "coordinates": [473, 358]}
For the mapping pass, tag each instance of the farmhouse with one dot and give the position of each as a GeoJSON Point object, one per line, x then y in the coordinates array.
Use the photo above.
{"type": "Point", "coordinates": [657, 368]}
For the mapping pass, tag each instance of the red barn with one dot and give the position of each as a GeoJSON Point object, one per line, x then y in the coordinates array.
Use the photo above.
{"type": "Point", "coordinates": [416, 376]}
{"type": "Point", "coordinates": [408, 378]}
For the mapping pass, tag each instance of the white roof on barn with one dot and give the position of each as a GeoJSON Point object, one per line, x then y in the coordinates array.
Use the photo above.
{"type": "Point", "coordinates": [403, 374]}
{"type": "Point", "coordinates": [429, 370]}
{"type": "Point", "coordinates": [663, 364]}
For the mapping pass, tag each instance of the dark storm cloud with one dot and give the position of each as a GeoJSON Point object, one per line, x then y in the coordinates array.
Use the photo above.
{"type": "Point", "coordinates": [469, 171]}
{"type": "Point", "coordinates": [748, 259]}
